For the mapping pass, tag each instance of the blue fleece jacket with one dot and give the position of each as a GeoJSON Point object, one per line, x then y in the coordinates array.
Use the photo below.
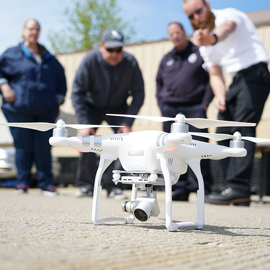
{"type": "Point", "coordinates": [37, 86]}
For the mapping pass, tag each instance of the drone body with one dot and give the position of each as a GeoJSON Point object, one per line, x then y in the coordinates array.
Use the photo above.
{"type": "Point", "coordinates": [138, 151]}
{"type": "Point", "coordinates": [149, 158]}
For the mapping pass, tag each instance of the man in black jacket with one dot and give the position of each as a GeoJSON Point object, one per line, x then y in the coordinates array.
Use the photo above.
{"type": "Point", "coordinates": [103, 83]}
{"type": "Point", "coordinates": [183, 87]}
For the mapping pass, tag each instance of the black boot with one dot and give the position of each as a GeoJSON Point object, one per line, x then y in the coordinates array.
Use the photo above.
{"type": "Point", "coordinates": [180, 195]}
{"type": "Point", "coordinates": [229, 196]}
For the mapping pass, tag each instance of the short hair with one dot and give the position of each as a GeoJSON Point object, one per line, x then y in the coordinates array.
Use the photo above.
{"type": "Point", "coordinates": [184, 1]}
{"type": "Point", "coordinates": [178, 23]}
{"type": "Point", "coordinates": [31, 19]}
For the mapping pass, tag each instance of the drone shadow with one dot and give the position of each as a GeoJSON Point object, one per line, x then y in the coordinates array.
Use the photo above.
{"type": "Point", "coordinates": [207, 229]}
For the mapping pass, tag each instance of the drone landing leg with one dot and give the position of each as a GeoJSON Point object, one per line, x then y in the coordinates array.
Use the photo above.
{"type": "Point", "coordinates": [195, 166]}
{"type": "Point", "coordinates": [103, 164]}
{"type": "Point", "coordinates": [168, 192]}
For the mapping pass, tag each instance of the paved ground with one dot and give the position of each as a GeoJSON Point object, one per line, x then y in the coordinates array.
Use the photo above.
{"type": "Point", "coordinates": [38, 232]}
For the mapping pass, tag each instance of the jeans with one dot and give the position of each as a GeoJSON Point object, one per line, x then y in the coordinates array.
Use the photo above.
{"type": "Point", "coordinates": [31, 146]}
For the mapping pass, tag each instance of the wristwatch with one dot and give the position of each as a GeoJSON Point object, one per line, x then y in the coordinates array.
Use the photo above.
{"type": "Point", "coordinates": [216, 38]}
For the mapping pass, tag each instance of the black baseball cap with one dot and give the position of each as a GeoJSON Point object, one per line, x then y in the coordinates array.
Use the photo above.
{"type": "Point", "coordinates": [113, 38]}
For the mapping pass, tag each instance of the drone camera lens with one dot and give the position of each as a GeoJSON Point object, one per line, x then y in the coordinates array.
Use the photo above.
{"type": "Point", "coordinates": [140, 214]}
{"type": "Point", "coordinates": [142, 210]}
{"type": "Point", "coordinates": [124, 206]}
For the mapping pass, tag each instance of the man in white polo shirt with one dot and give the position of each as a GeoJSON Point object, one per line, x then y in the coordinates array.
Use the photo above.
{"type": "Point", "coordinates": [228, 40]}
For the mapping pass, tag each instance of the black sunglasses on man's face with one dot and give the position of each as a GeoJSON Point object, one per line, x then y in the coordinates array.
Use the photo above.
{"type": "Point", "coordinates": [110, 50]}
{"type": "Point", "coordinates": [198, 11]}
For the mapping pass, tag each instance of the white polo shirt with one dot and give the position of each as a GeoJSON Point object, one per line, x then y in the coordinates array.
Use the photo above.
{"type": "Point", "coordinates": [241, 49]}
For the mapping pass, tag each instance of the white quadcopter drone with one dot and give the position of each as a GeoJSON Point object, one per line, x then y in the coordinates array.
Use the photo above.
{"type": "Point", "coordinates": [150, 158]}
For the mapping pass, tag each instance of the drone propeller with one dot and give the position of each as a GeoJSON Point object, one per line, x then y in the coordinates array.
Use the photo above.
{"type": "Point", "coordinates": [47, 126]}
{"type": "Point", "coordinates": [235, 136]}
{"type": "Point", "coordinates": [196, 122]}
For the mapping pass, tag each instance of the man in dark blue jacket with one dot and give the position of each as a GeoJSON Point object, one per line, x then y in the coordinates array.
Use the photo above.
{"type": "Point", "coordinates": [183, 87]}
{"type": "Point", "coordinates": [103, 83]}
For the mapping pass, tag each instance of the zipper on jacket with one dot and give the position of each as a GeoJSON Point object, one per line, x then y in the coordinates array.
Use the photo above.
{"type": "Point", "coordinates": [112, 88]}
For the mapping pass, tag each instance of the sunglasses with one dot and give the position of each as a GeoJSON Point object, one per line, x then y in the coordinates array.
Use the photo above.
{"type": "Point", "coordinates": [198, 11]}
{"type": "Point", "coordinates": [110, 50]}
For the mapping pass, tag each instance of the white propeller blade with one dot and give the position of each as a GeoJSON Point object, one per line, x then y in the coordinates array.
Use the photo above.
{"type": "Point", "coordinates": [221, 137]}
{"type": "Point", "coordinates": [152, 118]}
{"type": "Point", "coordinates": [213, 136]}
{"type": "Point", "coordinates": [255, 140]}
{"type": "Point", "coordinates": [196, 122]}
{"type": "Point", "coordinates": [82, 126]}
{"type": "Point", "coordinates": [36, 126]}
{"type": "Point", "coordinates": [47, 126]}
{"type": "Point", "coordinates": [207, 123]}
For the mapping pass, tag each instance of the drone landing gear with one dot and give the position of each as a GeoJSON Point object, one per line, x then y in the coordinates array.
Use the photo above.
{"type": "Point", "coordinates": [105, 161]}
{"type": "Point", "coordinates": [195, 166]}
{"type": "Point", "coordinates": [146, 206]}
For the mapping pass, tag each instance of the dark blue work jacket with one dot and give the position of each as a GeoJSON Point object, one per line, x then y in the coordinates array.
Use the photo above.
{"type": "Point", "coordinates": [37, 86]}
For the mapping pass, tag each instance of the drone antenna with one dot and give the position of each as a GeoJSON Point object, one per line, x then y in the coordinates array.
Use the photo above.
{"type": "Point", "coordinates": [180, 125]}
{"type": "Point", "coordinates": [60, 130]}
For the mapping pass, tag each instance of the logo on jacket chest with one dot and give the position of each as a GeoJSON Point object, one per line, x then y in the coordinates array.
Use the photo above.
{"type": "Point", "coordinates": [192, 58]}
{"type": "Point", "coordinates": [170, 62]}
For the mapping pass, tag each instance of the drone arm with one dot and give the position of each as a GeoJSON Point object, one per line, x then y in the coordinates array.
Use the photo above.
{"type": "Point", "coordinates": [235, 152]}
{"type": "Point", "coordinates": [66, 142]}
{"type": "Point", "coordinates": [172, 140]}
{"type": "Point", "coordinates": [178, 138]}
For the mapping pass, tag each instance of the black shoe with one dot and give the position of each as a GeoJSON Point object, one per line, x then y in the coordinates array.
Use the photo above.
{"type": "Point", "coordinates": [49, 191]}
{"type": "Point", "coordinates": [117, 194]}
{"type": "Point", "coordinates": [84, 192]}
{"type": "Point", "coordinates": [180, 195]}
{"type": "Point", "coordinates": [21, 189]}
{"type": "Point", "coordinates": [229, 196]}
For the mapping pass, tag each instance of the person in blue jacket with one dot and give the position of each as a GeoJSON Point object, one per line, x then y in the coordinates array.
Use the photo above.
{"type": "Point", "coordinates": [33, 85]}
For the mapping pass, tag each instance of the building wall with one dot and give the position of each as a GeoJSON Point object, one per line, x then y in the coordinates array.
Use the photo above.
{"type": "Point", "coordinates": [149, 56]}
{"type": "Point", "coordinates": [263, 127]}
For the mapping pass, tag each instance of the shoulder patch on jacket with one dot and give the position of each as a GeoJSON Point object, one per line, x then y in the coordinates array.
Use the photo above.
{"type": "Point", "coordinates": [192, 58]}
{"type": "Point", "coordinates": [170, 62]}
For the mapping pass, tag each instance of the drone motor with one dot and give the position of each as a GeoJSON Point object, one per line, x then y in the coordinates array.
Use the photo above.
{"type": "Point", "coordinates": [60, 130]}
{"type": "Point", "coordinates": [179, 126]}
{"type": "Point", "coordinates": [237, 141]}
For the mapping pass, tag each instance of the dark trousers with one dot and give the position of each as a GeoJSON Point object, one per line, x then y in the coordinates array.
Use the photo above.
{"type": "Point", "coordinates": [245, 102]}
{"type": "Point", "coordinates": [190, 111]}
{"type": "Point", "coordinates": [32, 146]}
{"type": "Point", "coordinates": [88, 162]}
{"type": "Point", "coordinates": [87, 168]}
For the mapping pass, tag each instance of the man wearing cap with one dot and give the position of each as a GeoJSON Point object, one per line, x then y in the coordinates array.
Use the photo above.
{"type": "Point", "coordinates": [103, 82]}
